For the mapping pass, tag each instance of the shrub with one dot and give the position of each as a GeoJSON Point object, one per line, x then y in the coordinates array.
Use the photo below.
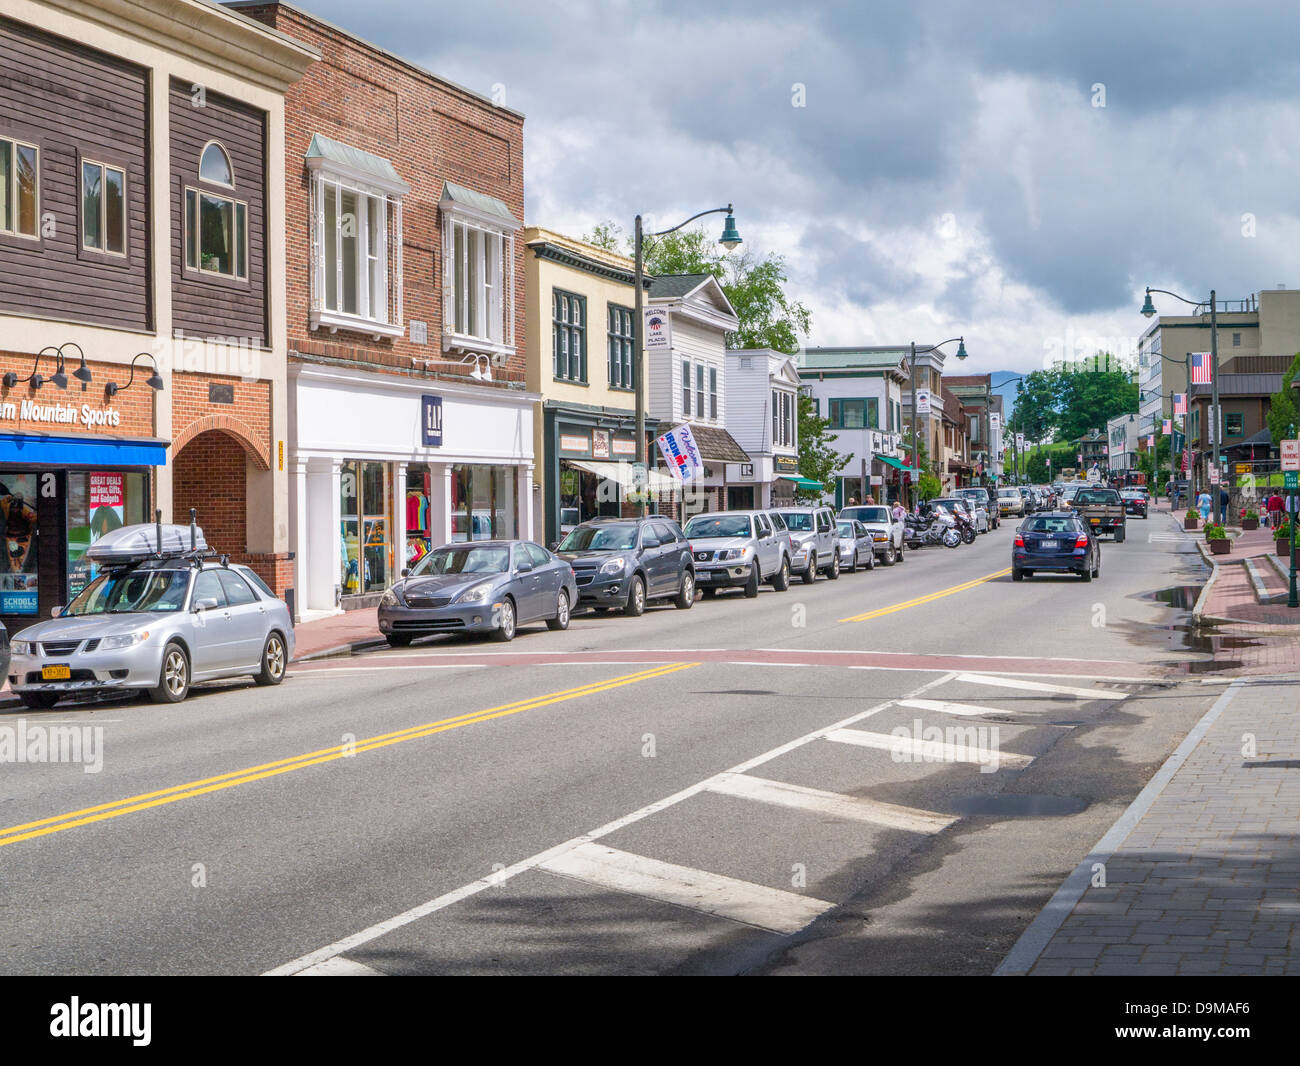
{"type": "Point", "coordinates": [1193, 514]}
{"type": "Point", "coordinates": [1283, 532]}
{"type": "Point", "coordinates": [1214, 531]}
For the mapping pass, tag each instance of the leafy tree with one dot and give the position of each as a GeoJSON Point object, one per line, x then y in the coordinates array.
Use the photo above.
{"type": "Point", "coordinates": [928, 487]}
{"type": "Point", "coordinates": [1282, 412]}
{"type": "Point", "coordinates": [1035, 410]}
{"type": "Point", "coordinates": [818, 461]}
{"type": "Point", "coordinates": [1035, 462]}
{"type": "Point", "coordinates": [605, 235]}
{"type": "Point", "coordinates": [1063, 403]}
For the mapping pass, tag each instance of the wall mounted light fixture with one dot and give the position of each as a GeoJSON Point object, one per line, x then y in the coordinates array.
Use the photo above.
{"type": "Point", "coordinates": [154, 380]}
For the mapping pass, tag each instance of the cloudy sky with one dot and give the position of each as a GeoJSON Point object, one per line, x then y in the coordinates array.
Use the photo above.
{"type": "Point", "coordinates": [1014, 172]}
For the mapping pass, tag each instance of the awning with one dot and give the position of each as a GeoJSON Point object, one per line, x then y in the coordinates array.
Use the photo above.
{"type": "Point", "coordinates": [805, 483]}
{"type": "Point", "coordinates": [324, 153]}
{"type": "Point", "coordinates": [889, 460]}
{"type": "Point", "coordinates": [49, 450]}
{"type": "Point", "coordinates": [621, 474]}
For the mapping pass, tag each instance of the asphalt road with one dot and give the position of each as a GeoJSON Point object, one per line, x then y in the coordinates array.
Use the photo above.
{"type": "Point", "coordinates": [718, 790]}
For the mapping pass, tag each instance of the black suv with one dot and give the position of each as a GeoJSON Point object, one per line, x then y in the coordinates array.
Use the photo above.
{"type": "Point", "coordinates": [626, 562]}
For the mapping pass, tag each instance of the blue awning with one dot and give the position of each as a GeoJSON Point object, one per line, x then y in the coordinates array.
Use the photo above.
{"type": "Point", "coordinates": [48, 450]}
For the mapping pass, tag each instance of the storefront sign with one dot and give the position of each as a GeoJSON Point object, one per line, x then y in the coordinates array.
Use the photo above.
{"type": "Point", "coordinates": [747, 471]}
{"type": "Point", "coordinates": [624, 446]}
{"type": "Point", "coordinates": [658, 330]}
{"type": "Point", "coordinates": [571, 443]}
{"type": "Point", "coordinates": [431, 421]}
{"type": "Point", "coordinates": [600, 444]}
{"type": "Point", "coordinates": [67, 414]}
{"type": "Point", "coordinates": [786, 464]}
{"type": "Point", "coordinates": [96, 505]}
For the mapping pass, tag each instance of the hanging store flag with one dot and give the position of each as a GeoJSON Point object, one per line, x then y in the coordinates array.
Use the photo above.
{"type": "Point", "coordinates": [1180, 403]}
{"type": "Point", "coordinates": [1200, 367]}
{"type": "Point", "coordinates": [681, 454]}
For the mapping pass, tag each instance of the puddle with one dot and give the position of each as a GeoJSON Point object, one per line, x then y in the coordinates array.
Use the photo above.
{"type": "Point", "coordinates": [1020, 806]}
{"type": "Point", "coordinates": [1182, 596]}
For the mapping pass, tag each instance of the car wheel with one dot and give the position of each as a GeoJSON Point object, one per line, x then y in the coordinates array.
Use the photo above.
{"type": "Point", "coordinates": [1017, 574]}
{"type": "Point", "coordinates": [833, 571]}
{"type": "Point", "coordinates": [174, 678]}
{"type": "Point", "coordinates": [891, 556]}
{"type": "Point", "coordinates": [853, 562]}
{"type": "Point", "coordinates": [782, 580]}
{"type": "Point", "coordinates": [870, 564]}
{"type": "Point", "coordinates": [1086, 573]}
{"type": "Point", "coordinates": [810, 575]}
{"type": "Point", "coordinates": [751, 586]}
{"type": "Point", "coordinates": [635, 606]}
{"type": "Point", "coordinates": [274, 660]}
{"type": "Point", "coordinates": [505, 630]}
{"type": "Point", "coordinates": [398, 640]}
{"type": "Point", "coordinates": [1120, 534]}
{"type": "Point", "coordinates": [561, 620]}
{"type": "Point", "coordinates": [39, 701]}
{"type": "Point", "coordinates": [686, 592]}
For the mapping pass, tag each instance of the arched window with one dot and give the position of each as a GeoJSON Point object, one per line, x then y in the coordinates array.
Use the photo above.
{"type": "Point", "coordinates": [214, 165]}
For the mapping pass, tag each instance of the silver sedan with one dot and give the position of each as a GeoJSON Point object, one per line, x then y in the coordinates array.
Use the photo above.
{"type": "Point", "coordinates": [856, 546]}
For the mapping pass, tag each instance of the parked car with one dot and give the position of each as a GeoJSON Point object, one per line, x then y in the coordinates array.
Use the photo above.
{"type": "Point", "coordinates": [1056, 542]}
{"type": "Point", "coordinates": [1010, 502]}
{"type": "Point", "coordinates": [485, 586]}
{"type": "Point", "coordinates": [855, 545]}
{"type": "Point", "coordinates": [812, 536]}
{"type": "Point", "coordinates": [738, 549]}
{"type": "Point", "coordinates": [886, 534]}
{"type": "Point", "coordinates": [977, 516]}
{"type": "Point", "coordinates": [1027, 496]}
{"type": "Point", "coordinates": [1135, 502]}
{"type": "Point", "coordinates": [629, 562]}
{"type": "Point", "coordinates": [154, 622]}
{"type": "Point", "coordinates": [979, 497]}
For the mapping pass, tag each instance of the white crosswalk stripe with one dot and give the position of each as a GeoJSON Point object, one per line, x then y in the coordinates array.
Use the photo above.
{"type": "Point", "coordinates": [1165, 538]}
{"type": "Point", "coordinates": [948, 707]}
{"type": "Point", "coordinates": [814, 800]}
{"type": "Point", "coordinates": [1039, 686]}
{"type": "Point", "coordinates": [915, 747]}
{"type": "Point", "coordinates": [740, 901]}
{"type": "Point", "coordinates": [339, 967]}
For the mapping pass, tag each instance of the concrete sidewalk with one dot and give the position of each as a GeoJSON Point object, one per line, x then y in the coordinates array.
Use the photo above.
{"type": "Point", "coordinates": [340, 633]}
{"type": "Point", "coordinates": [1201, 872]}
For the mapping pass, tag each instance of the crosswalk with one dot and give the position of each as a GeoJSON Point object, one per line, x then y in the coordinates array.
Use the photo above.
{"type": "Point", "coordinates": [965, 730]}
{"type": "Point", "coordinates": [1167, 538]}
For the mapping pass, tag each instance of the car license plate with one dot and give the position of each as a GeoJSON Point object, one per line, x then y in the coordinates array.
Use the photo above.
{"type": "Point", "coordinates": [1047, 545]}
{"type": "Point", "coordinates": [56, 673]}
{"type": "Point", "coordinates": [703, 575]}
{"type": "Point", "coordinates": [1096, 521]}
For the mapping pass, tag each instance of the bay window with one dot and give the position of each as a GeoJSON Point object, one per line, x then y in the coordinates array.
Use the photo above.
{"type": "Point", "coordinates": [478, 262]}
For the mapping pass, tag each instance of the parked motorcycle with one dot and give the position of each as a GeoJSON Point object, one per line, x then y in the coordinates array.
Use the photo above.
{"type": "Point", "coordinates": [935, 526]}
{"type": "Point", "coordinates": [966, 528]}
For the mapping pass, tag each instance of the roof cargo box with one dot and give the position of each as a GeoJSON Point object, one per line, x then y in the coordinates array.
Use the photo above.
{"type": "Point", "coordinates": [134, 543]}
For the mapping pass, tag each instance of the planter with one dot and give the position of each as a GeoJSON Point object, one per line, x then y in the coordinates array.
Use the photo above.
{"type": "Point", "coordinates": [1220, 547]}
{"type": "Point", "coordinates": [1249, 523]}
{"type": "Point", "coordinates": [1189, 523]}
{"type": "Point", "coordinates": [1282, 549]}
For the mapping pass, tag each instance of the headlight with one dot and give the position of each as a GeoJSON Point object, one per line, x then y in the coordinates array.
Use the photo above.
{"type": "Point", "coordinates": [613, 566]}
{"type": "Point", "coordinates": [124, 640]}
{"type": "Point", "coordinates": [21, 647]}
{"type": "Point", "coordinates": [477, 594]}
{"type": "Point", "coordinates": [734, 553]}
{"type": "Point", "coordinates": [389, 598]}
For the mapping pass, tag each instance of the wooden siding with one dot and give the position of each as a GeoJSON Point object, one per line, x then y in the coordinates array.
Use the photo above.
{"type": "Point", "coordinates": [72, 101]}
{"type": "Point", "coordinates": [203, 305]}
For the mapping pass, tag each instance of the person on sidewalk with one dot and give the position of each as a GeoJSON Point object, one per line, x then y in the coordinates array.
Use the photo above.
{"type": "Point", "coordinates": [1274, 511]}
{"type": "Point", "coordinates": [1223, 502]}
{"type": "Point", "coordinates": [1203, 505]}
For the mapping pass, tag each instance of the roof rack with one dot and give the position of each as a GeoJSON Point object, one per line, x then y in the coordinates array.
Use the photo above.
{"type": "Point", "coordinates": [134, 544]}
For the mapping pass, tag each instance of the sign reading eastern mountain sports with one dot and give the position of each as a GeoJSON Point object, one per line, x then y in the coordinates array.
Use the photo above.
{"type": "Point", "coordinates": [681, 454]}
{"type": "Point", "coordinates": [658, 330]}
{"type": "Point", "coordinates": [431, 421]}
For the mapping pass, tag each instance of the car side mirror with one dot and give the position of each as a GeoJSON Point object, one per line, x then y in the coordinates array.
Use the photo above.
{"type": "Point", "coordinates": [524, 568]}
{"type": "Point", "coordinates": [55, 612]}
{"type": "Point", "coordinates": [406, 571]}
{"type": "Point", "coordinates": [650, 542]}
{"type": "Point", "coordinates": [208, 603]}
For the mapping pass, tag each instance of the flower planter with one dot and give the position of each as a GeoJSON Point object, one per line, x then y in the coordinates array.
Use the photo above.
{"type": "Point", "coordinates": [1282, 548]}
{"type": "Point", "coordinates": [1189, 523]}
{"type": "Point", "coordinates": [1249, 523]}
{"type": "Point", "coordinates": [1220, 547]}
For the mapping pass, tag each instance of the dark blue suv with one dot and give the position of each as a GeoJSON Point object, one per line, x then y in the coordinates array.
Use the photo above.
{"type": "Point", "coordinates": [627, 562]}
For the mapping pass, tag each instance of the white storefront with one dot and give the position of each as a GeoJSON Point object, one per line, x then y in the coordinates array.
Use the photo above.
{"type": "Point", "coordinates": [384, 468]}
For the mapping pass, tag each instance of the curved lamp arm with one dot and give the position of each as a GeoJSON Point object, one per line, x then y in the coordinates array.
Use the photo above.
{"type": "Point", "coordinates": [34, 379]}
{"type": "Point", "coordinates": [154, 381]}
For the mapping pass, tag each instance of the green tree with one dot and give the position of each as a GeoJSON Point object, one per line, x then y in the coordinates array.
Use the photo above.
{"type": "Point", "coordinates": [1088, 400]}
{"type": "Point", "coordinates": [818, 460]}
{"type": "Point", "coordinates": [1035, 410]}
{"type": "Point", "coordinates": [605, 235]}
{"type": "Point", "coordinates": [1282, 412]}
{"type": "Point", "coordinates": [1036, 468]}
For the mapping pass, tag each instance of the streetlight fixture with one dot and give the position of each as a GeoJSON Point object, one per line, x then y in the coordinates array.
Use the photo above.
{"type": "Point", "coordinates": [729, 240]}
{"type": "Point", "coordinates": [154, 381]}
{"type": "Point", "coordinates": [916, 458]}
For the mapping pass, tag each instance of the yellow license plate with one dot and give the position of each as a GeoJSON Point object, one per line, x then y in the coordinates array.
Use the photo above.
{"type": "Point", "coordinates": [56, 673]}
{"type": "Point", "coordinates": [1096, 521]}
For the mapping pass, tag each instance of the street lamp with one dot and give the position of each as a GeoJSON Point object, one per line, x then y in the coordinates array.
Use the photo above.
{"type": "Point", "coordinates": [729, 240]}
{"type": "Point", "coordinates": [1148, 310]}
{"type": "Point", "coordinates": [916, 456]}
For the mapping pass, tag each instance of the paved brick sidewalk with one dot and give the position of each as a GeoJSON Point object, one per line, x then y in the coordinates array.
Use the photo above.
{"type": "Point", "coordinates": [338, 632]}
{"type": "Point", "coordinates": [1204, 880]}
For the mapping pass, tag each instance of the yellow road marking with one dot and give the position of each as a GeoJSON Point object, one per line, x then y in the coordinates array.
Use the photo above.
{"type": "Point", "coordinates": [88, 815]}
{"type": "Point", "coordinates": [881, 611]}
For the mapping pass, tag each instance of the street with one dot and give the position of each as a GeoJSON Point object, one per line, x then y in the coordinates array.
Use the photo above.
{"type": "Point", "coordinates": [737, 788]}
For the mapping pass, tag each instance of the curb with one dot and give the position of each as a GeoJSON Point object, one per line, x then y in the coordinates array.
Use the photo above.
{"type": "Point", "coordinates": [1025, 952]}
{"type": "Point", "coordinates": [368, 644]}
{"type": "Point", "coordinates": [1262, 595]}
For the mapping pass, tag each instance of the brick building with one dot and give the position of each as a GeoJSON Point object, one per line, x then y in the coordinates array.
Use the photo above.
{"type": "Point", "coordinates": [142, 333]}
{"type": "Point", "coordinates": [410, 421]}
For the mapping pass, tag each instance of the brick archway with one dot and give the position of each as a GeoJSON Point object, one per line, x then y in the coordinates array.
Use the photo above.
{"type": "Point", "coordinates": [232, 427]}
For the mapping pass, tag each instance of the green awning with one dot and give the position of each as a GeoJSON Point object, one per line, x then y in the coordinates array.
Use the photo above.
{"type": "Point", "coordinates": [805, 483]}
{"type": "Point", "coordinates": [891, 461]}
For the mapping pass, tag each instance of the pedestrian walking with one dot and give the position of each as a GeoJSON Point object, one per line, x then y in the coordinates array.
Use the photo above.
{"type": "Point", "coordinates": [1274, 511]}
{"type": "Point", "coordinates": [1223, 501]}
{"type": "Point", "coordinates": [1203, 505]}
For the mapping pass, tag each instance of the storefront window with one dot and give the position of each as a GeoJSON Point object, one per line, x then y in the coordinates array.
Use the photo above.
{"type": "Point", "coordinates": [483, 502]}
{"type": "Point", "coordinates": [418, 537]}
{"type": "Point", "coordinates": [100, 501]}
{"type": "Point", "coordinates": [18, 582]}
{"type": "Point", "coordinates": [365, 550]}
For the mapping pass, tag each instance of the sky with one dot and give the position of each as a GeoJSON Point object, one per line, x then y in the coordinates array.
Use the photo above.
{"type": "Point", "coordinates": [1016, 173]}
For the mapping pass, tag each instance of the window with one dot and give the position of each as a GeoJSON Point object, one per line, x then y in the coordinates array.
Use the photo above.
{"type": "Point", "coordinates": [855, 414]}
{"type": "Point", "coordinates": [713, 392]}
{"type": "Point", "coordinates": [214, 166]}
{"type": "Point", "coordinates": [478, 284]}
{"type": "Point", "coordinates": [569, 335]}
{"type": "Point", "coordinates": [1234, 424]}
{"type": "Point", "coordinates": [782, 419]}
{"type": "Point", "coordinates": [699, 390]}
{"type": "Point", "coordinates": [19, 188]}
{"type": "Point", "coordinates": [621, 341]}
{"type": "Point", "coordinates": [236, 588]}
{"type": "Point", "coordinates": [103, 208]}
{"type": "Point", "coordinates": [686, 386]}
{"type": "Point", "coordinates": [207, 586]}
{"type": "Point", "coordinates": [1236, 340]}
{"type": "Point", "coordinates": [216, 226]}
{"type": "Point", "coordinates": [357, 254]}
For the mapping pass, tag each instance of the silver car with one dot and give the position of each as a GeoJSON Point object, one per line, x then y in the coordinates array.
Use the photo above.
{"type": "Point", "coordinates": [484, 586]}
{"type": "Point", "coordinates": [812, 539]}
{"type": "Point", "coordinates": [886, 531]}
{"type": "Point", "coordinates": [855, 544]}
{"type": "Point", "coordinates": [157, 625]}
{"type": "Point", "coordinates": [738, 549]}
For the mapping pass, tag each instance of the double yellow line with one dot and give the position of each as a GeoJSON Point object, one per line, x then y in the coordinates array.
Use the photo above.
{"type": "Point", "coordinates": [146, 800]}
{"type": "Point", "coordinates": [929, 598]}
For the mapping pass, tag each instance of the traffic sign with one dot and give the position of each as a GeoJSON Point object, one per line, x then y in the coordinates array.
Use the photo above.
{"type": "Point", "coordinates": [1291, 455]}
{"type": "Point", "coordinates": [1214, 475]}
{"type": "Point", "coordinates": [1291, 479]}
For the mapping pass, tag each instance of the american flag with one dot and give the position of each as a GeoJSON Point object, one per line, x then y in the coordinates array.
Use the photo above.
{"type": "Point", "coordinates": [1200, 368]}
{"type": "Point", "coordinates": [1166, 427]}
{"type": "Point", "coordinates": [1180, 403]}
{"type": "Point", "coordinates": [1151, 441]}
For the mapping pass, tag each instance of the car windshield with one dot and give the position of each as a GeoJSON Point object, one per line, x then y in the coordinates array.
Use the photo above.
{"type": "Point", "coordinates": [1096, 496]}
{"type": "Point", "coordinates": [466, 560]}
{"type": "Point", "coordinates": [125, 591]}
{"type": "Point", "coordinates": [845, 529]}
{"type": "Point", "coordinates": [868, 514]}
{"type": "Point", "coordinates": [798, 521]}
{"type": "Point", "coordinates": [599, 538]}
{"type": "Point", "coordinates": [1052, 525]}
{"type": "Point", "coordinates": [727, 525]}
{"type": "Point", "coordinates": [1008, 492]}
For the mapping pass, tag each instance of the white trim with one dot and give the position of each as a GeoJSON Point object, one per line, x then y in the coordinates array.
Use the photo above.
{"type": "Point", "coordinates": [234, 275]}
{"type": "Point", "coordinates": [309, 373]}
{"type": "Point", "coordinates": [12, 191]}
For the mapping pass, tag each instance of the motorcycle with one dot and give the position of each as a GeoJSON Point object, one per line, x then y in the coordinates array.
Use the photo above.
{"type": "Point", "coordinates": [966, 528]}
{"type": "Point", "coordinates": [933, 527]}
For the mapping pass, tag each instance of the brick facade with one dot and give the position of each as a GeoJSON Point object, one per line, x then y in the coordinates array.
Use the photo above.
{"type": "Point", "coordinates": [248, 418]}
{"type": "Point", "coordinates": [432, 131]}
{"type": "Point", "coordinates": [210, 476]}
{"type": "Point", "coordinates": [134, 406]}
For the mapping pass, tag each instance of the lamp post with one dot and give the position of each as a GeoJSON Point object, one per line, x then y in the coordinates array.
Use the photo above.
{"type": "Point", "coordinates": [916, 456]}
{"type": "Point", "coordinates": [1148, 310]}
{"type": "Point", "coordinates": [730, 239]}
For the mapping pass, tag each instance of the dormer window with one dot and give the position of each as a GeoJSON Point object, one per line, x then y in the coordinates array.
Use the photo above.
{"type": "Point", "coordinates": [216, 225]}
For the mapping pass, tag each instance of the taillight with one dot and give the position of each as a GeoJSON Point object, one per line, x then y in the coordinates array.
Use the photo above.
{"type": "Point", "coordinates": [1081, 541]}
{"type": "Point", "coordinates": [1020, 541]}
